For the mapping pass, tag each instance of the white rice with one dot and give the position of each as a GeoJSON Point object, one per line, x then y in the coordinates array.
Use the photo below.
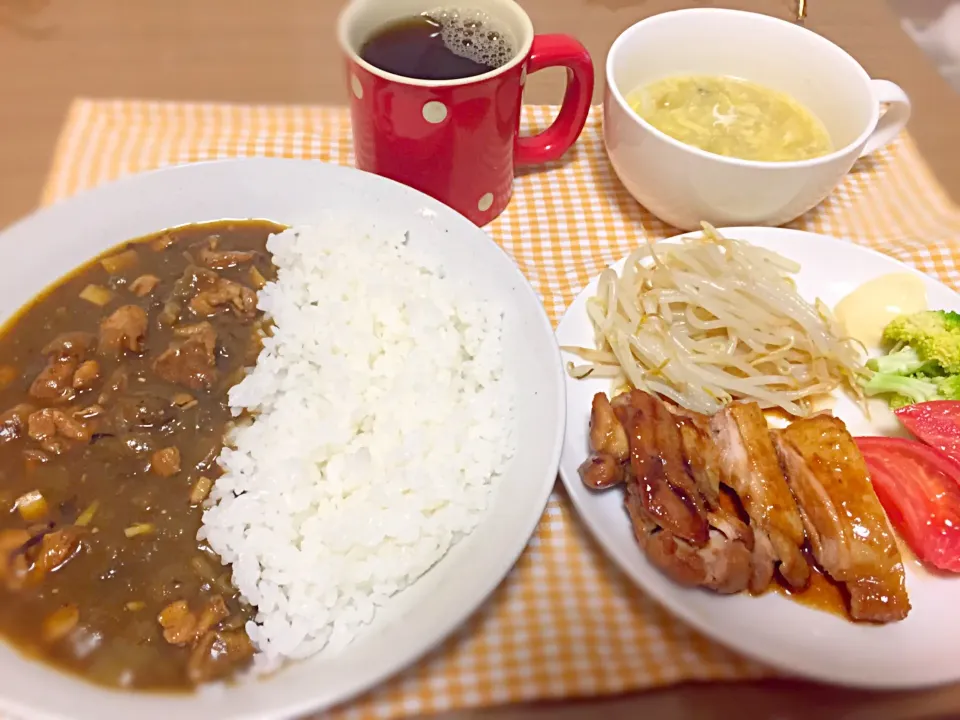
{"type": "Point", "coordinates": [382, 423]}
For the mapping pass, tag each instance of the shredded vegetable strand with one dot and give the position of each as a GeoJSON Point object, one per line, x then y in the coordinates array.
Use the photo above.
{"type": "Point", "coordinates": [710, 319]}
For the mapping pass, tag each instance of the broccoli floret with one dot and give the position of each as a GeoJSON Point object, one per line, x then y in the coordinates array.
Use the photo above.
{"type": "Point", "coordinates": [904, 390]}
{"type": "Point", "coordinates": [934, 335]}
{"type": "Point", "coordinates": [914, 389]}
{"type": "Point", "coordinates": [902, 362]}
{"type": "Point", "coordinates": [898, 401]}
{"type": "Point", "coordinates": [948, 388]}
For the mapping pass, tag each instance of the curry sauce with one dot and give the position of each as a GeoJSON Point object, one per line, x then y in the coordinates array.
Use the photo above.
{"type": "Point", "coordinates": [113, 411]}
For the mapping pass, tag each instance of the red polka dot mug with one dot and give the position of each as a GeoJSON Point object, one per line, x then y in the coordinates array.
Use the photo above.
{"type": "Point", "coordinates": [458, 140]}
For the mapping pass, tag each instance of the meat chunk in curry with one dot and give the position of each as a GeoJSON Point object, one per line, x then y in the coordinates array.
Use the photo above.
{"type": "Point", "coordinates": [190, 360]}
{"type": "Point", "coordinates": [113, 410]}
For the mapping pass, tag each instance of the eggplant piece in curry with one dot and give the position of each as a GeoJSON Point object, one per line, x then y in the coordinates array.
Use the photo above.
{"type": "Point", "coordinates": [113, 409]}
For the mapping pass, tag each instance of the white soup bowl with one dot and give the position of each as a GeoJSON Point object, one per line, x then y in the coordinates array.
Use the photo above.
{"type": "Point", "coordinates": [683, 185]}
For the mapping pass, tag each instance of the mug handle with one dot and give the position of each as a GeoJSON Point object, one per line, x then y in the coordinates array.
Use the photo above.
{"type": "Point", "coordinates": [559, 51]}
{"type": "Point", "coordinates": [893, 120]}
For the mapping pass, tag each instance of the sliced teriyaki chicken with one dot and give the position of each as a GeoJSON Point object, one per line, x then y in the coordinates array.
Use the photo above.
{"type": "Point", "coordinates": [663, 481]}
{"type": "Point", "coordinates": [608, 440]}
{"type": "Point", "coordinates": [722, 564]}
{"type": "Point", "coordinates": [678, 520]}
{"type": "Point", "coordinates": [701, 452]}
{"type": "Point", "coordinates": [847, 527]}
{"type": "Point", "coordinates": [750, 467]}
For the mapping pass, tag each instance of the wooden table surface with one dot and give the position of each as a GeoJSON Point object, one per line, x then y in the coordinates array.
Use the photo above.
{"type": "Point", "coordinates": [283, 52]}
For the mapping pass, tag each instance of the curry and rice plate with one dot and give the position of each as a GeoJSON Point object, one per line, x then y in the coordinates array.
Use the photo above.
{"type": "Point", "coordinates": [359, 393]}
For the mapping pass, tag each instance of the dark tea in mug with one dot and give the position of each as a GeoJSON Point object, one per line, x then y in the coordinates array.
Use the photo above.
{"type": "Point", "coordinates": [442, 44]}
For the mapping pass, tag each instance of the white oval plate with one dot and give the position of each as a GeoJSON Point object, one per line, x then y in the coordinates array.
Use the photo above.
{"type": "Point", "coordinates": [923, 649]}
{"type": "Point", "coordinates": [42, 248]}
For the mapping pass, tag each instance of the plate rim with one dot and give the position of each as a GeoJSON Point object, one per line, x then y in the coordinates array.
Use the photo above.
{"type": "Point", "coordinates": [119, 183]}
{"type": "Point", "coordinates": [601, 534]}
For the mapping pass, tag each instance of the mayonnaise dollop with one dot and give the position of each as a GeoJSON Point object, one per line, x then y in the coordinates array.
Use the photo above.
{"type": "Point", "coordinates": [866, 311]}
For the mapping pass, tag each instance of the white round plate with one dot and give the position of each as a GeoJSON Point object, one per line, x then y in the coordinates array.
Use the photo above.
{"type": "Point", "coordinates": [923, 649]}
{"type": "Point", "coordinates": [42, 248]}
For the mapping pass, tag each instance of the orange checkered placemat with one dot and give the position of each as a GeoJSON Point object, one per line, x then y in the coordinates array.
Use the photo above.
{"type": "Point", "coordinates": [565, 622]}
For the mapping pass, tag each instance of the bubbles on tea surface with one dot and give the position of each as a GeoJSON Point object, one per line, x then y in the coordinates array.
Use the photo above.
{"type": "Point", "coordinates": [474, 35]}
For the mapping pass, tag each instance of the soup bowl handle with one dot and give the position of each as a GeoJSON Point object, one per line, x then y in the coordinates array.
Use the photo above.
{"type": "Point", "coordinates": [893, 120]}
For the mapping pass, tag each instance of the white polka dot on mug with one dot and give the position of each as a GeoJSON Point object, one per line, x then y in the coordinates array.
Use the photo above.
{"type": "Point", "coordinates": [434, 112]}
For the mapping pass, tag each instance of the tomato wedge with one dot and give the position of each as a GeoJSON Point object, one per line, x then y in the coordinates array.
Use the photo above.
{"type": "Point", "coordinates": [937, 423]}
{"type": "Point", "coordinates": [920, 491]}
